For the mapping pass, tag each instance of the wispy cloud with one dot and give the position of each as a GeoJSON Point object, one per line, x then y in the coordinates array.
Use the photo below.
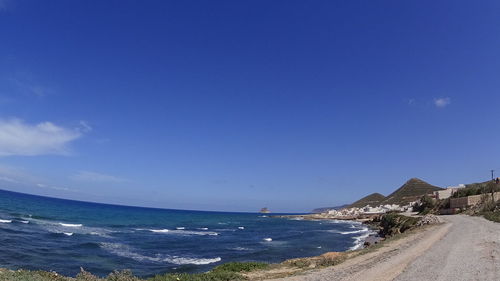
{"type": "Point", "coordinates": [85, 127]}
{"type": "Point", "coordinates": [19, 138]}
{"type": "Point", "coordinates": [96, 177]}
{"type": "Point", "coordinates": [28, 87]}
{"type": "Point", "coordinates": [442, 102]}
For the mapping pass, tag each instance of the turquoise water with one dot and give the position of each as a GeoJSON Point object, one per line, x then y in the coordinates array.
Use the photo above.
{"type": "Point", "coordinates": [62, 235]}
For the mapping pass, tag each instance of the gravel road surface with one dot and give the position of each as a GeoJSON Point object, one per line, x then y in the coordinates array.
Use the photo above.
{"type": "Point", "coordinates": [463, 248]}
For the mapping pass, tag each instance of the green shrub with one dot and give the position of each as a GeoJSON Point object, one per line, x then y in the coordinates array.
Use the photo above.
{"type": "Point", "coordinates": [240, 266]}
{"type": "Point", "coordinates": [394, 224]}
{"type": "Point", "coordinates": [125, 275]}
{"type": "Point", "coordinates": [224, 272]}
{"type": "Point", "coordinates": [209, 276]}
{"type": "Point", "coordinates": [25, 275]}
{"type": "Point", "coordinates": [492, 216]}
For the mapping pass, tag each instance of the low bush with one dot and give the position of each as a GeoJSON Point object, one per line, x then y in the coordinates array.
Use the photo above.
{"type": "Point", "coordinates": [240, 266]}
{"type": "Point", "coordinates": [209, 276]}
{"type": "Point", "coordinates": [426, 205]}
{"type": "Point", "coordinates": [224, 272]}
{"type": "Point", "coordinates": [393, 224]}
{"type": "Point", "coordinates": [492, 216]}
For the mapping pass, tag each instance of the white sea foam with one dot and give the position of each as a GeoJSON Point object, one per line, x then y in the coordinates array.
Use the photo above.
{"type": "Point", "coordinates": [241, 227]}
{"type": "Point", "coordinates": [180, 228]}
{"type": "Point", "coordinates": [359, 241]}
{"type": "Point", "coordinates": [159, 230]}
{"type": "Point", "coordinates": [182, 232]}
{"type": "Point", "coordinates": [5, 221]}
{"type": "Point", "coordinates": [71, 224]}
{"type": "Point", "coordinates": [126, 251]}
{"type": "Point", "coordinates": [59, 227]}
{"type": "Point", "coordinates": [241, 249]}
{"type": "Point", "coordinates": [203, 228]}
{"type": "Point", "coordinates": [22, 221]}
{"type": "Point", "coordinates": [354, 231]}
{"type": "Point", "coordinates": [68, 233]}
{"type": "Point", "coordinates": [263, 216]}
{"type": "Point", "coordinates": [268, 239]}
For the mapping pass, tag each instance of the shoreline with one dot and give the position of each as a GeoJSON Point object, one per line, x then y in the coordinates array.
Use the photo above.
{"type": "Point", "coordinates": [372, 229]}
{"type": "Point", "coordinates": [300, 264]}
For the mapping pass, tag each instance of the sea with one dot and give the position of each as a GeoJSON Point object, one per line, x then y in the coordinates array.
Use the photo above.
{"type": "Point", "coordinates": [42, 233]}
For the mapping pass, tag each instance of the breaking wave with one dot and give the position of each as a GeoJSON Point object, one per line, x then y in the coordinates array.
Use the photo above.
{"type": "Point", "coordinates": [127, 252]}
{"type": "Point", "coordinates": [181, 232]}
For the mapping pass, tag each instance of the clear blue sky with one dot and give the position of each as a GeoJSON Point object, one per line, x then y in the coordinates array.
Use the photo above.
{"type": "Point", "coordinates": [237, 105]}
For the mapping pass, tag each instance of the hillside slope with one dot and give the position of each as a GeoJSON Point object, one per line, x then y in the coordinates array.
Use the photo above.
{"type": "Point", "coordinates": [373, 200]}
{"type": "Point", "coordinates": [326, 209]}
{"type": "Point", "coordinates": [412, 190]}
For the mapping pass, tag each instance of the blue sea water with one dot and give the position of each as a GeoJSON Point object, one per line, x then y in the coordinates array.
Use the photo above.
{"type": "Point", "coordinates": [63, 235]}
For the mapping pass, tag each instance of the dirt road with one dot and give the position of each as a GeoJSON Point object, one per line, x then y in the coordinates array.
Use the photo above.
{"type": "Point", "coordinates": [464, 248]}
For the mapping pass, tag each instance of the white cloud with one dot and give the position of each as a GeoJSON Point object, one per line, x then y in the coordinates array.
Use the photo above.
{"type": "Point", "coordinates": [19, 138]}
{"type": "Point", "coordinates": [96, 177]}
{"type": "Point", "coordinates": [442, 102]}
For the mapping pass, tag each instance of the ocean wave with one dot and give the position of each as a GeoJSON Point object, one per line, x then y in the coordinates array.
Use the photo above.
{"type": "Point", "coordinates": [71, 224]}
{"type": "Point", "coordinates": [181, 232]}
{"type": "Point", "coordinates": [268, 239]}
{"type": "Point", "coordinates": [241, 227]}
{"type": "Point", "coordinates": [59, 227]}
{"type": "Point", "coordinates": [359, 241]}
{"type": "Point", "coordinates": [5, 221]}
{"type": "Point", "coordinates": [203, 228]}
{"type": "Point", "coordinates": [241, 249]}
{"type": "Point", "coordinates": [354, 231]}
{"type": "Point", "coordinates": [127, 252]}
{"type": "Point", "coordinates": [159, 230]}
{"type": "Point", "coordinates": [340, 221]}
{"type": "Point", "coordinates": [180, 228]}
{"type": "Point", "coordinates": [24, 221]}
{"type": "Point", "coordinates": [68, 233]}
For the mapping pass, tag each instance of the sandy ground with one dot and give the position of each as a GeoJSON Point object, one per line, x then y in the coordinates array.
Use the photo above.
{"type": "Point", "coordinates": [464, 248]}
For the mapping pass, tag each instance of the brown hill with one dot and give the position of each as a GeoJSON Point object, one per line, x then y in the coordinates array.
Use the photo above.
{"type": "Point", "coordinates": [412, 190]}
{"type": "Point", "coordinates": [373, 200]}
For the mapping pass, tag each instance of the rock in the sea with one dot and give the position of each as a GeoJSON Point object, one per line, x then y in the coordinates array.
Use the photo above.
{"type": "Point", "coordinates": [428, 219]}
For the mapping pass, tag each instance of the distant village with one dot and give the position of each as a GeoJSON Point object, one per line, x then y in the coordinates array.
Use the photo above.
{"type": "Point", "coordinates": [371, 209]}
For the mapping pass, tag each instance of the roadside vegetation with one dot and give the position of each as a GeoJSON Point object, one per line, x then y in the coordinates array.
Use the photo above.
{"type": "Point", "coordinates": [393, 223]}
{"type": "Point", "coordinates": [225, 272]}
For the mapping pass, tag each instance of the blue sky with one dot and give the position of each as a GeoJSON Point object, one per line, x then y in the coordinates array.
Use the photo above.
{"type": "Point", "coordinates": [237, 105]}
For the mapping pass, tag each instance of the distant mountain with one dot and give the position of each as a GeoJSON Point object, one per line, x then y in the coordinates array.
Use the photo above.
{"type": "Point", "coordinates": [412, 190]}
{"type": "Point", "coordinates": [326, 209]}
{"type": "Point", "coordinates": [373, 200]}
